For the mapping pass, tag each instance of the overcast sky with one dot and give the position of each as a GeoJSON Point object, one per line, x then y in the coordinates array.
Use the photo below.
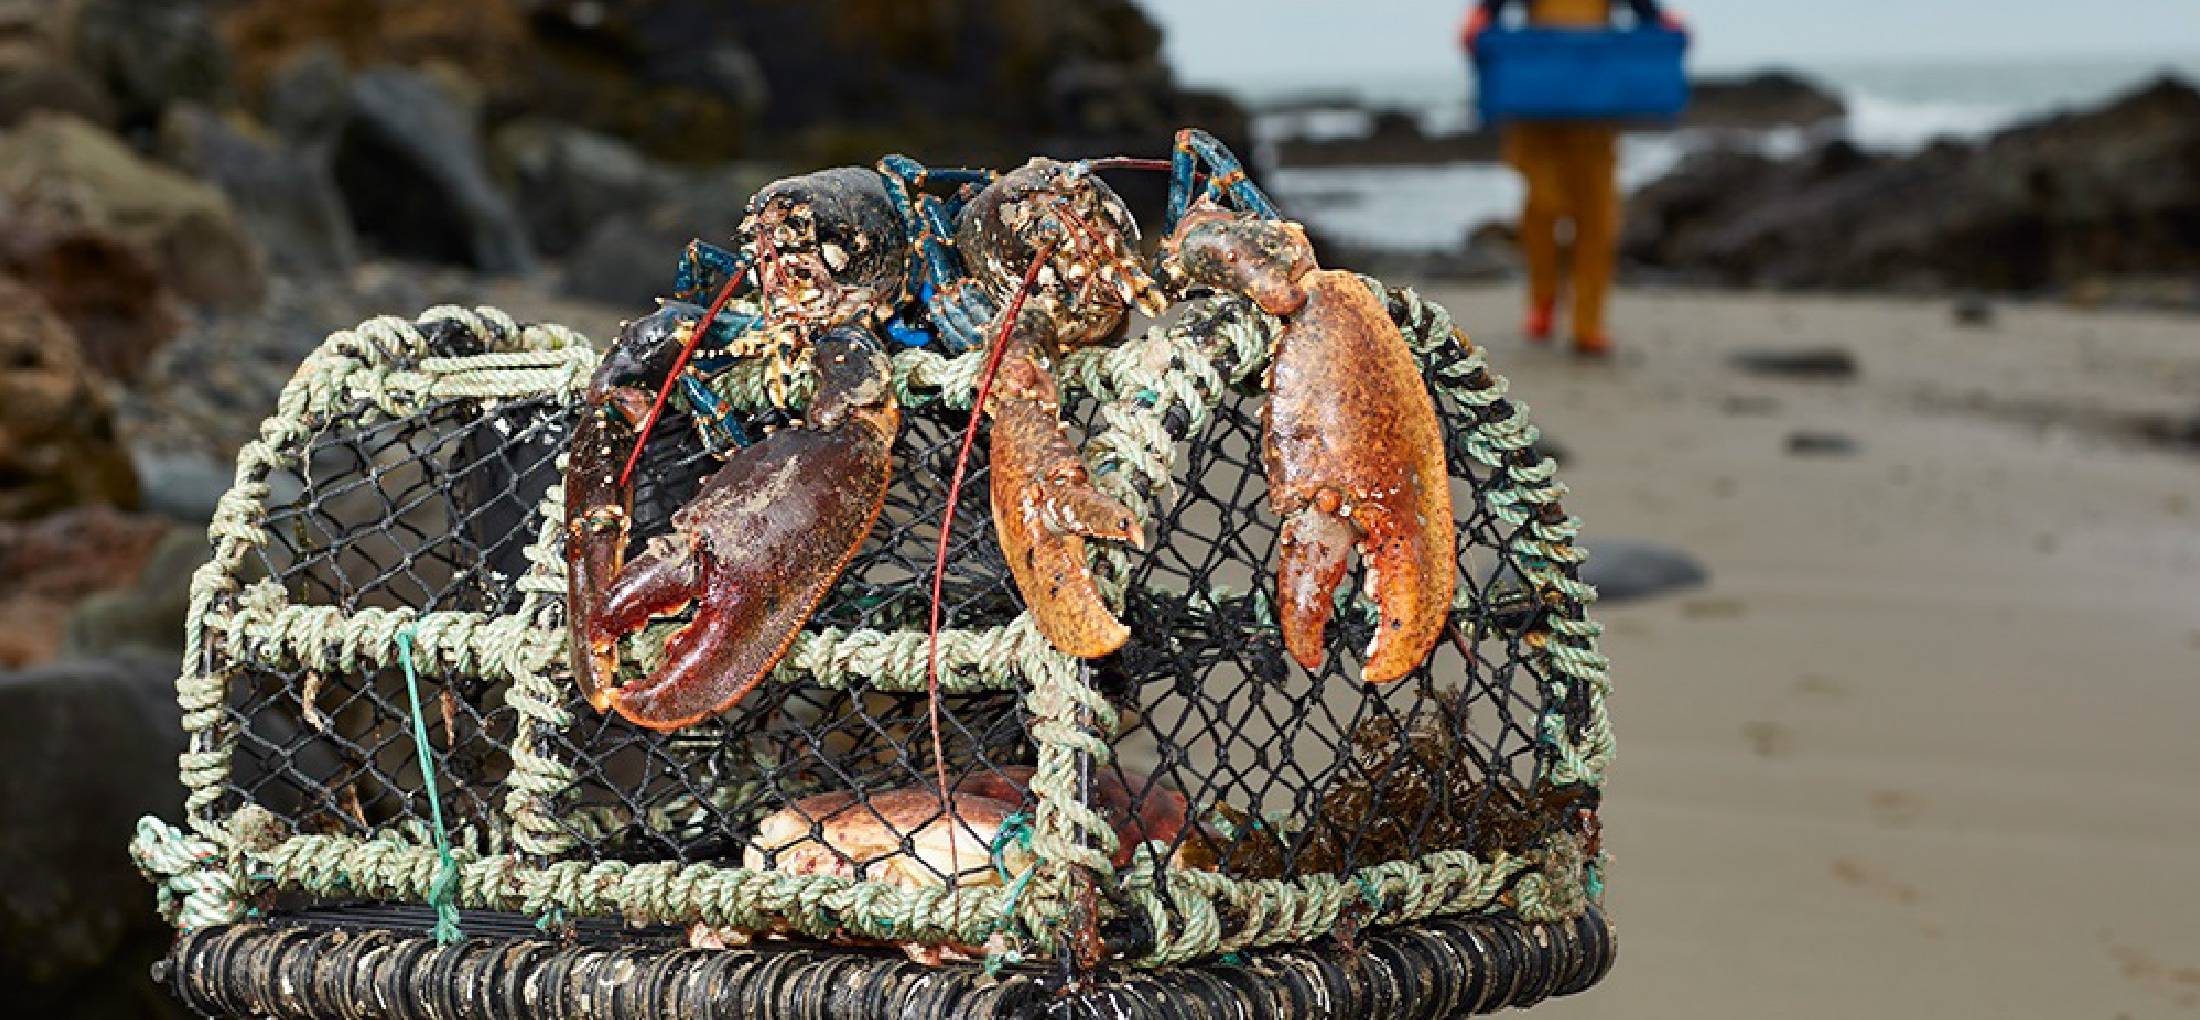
{"type": "Point", "coordinates": [1251, 42]}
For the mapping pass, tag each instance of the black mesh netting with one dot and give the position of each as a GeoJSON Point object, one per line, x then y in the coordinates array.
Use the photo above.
{"type": "Point", "coordinates": [1230, 754]}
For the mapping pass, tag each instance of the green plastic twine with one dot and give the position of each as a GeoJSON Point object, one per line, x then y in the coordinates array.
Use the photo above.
{"type": "Point", "coordinates": [443, 891]}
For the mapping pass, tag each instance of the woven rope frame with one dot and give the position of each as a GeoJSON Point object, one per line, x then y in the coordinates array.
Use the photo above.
{"type": "Point", "coordinates": [208, 873]}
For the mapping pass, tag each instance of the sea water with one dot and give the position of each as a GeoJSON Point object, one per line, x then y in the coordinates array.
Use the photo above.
{"type": "Point", "coordinates": [1892, 108]}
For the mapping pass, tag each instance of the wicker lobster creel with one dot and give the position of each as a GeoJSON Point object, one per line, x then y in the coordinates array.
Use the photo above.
{"type": "Point", "coordinates": [385, 738]}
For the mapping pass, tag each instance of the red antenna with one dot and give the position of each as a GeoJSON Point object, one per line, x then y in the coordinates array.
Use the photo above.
{"type": "Point", "coordinates": [702, 328]}
{"type": "Point", "coordinates": [947, 523]}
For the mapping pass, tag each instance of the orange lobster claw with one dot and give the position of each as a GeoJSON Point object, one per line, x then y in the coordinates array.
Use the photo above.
{"type": "Point", "coordinates": [1044, 507]}
{"type": "Point", "coordinates": [1352, 448]}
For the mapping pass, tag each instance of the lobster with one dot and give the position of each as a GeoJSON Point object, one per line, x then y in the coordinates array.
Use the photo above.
{"type": "Point", "coordinates": [1352, 449]}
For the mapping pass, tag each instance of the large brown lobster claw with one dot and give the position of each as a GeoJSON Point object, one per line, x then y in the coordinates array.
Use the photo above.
{"type": "Point", "coordinates": [1044, 507]}
{"type": "Point", "coordinates": [1353, 451]}
{"type": "Point", "coordinates": [755, 551]}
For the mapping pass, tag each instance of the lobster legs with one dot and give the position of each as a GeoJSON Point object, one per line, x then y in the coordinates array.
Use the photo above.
{"type": "Point", "coordinates": [754, 552]}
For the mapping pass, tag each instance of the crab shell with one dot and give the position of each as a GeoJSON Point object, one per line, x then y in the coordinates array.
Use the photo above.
{"type": "Point", "coordinates": [900, 837]}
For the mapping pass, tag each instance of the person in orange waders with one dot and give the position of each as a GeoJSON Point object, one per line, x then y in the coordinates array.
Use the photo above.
{"type": "Point", "coordinates": [1571, 172]}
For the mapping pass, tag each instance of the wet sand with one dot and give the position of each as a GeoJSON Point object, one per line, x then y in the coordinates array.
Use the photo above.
{"type": "Point", "coordinates": [1925, 745]}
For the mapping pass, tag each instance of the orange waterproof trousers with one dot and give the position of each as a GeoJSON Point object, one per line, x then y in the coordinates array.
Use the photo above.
{"type": "Point", "coordinates": [1571, 173]}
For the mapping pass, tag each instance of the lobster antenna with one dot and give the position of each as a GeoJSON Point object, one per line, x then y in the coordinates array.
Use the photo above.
{"type": "Point", "coordinates": [664, 392]}
{"type": "Point", "coordinates": [1129, 163]}
{"type": "Point", "coordinates": [947, 523]}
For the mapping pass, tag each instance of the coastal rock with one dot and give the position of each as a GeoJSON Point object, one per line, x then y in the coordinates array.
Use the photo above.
{"type": "Point", "coordinates": [109, 291]}
{"type": "Point", "coordinates": [412, 172]}
{"type": "Point", "coordinates": [92, 747]}
{"type": "Point", "coordinates": [38, 71]}
{"type": "Point", "coordinates": [489, 39]}
{"type": "Point", "coordinates": [566, 179]}
{"type": "Point", "coordinates": [962, 83]}
{"type": "Point", "coordinates": [48, 566]}
{"type": "Point", "coordinates": [627, 260]}
{"type": "Point", "coordinates": [1819, 443]}
{"type": "Point", "coordinates": [188, 227]}
{"type": "Point", "coordinates": [2107, 193]}
{"type": "Point", "coordinates": [1760, 102]}
{"type": "Point", "coordinates": [31, 82]}
{"type": "Point", "coordinates": [309, 99]}
{"type": "Point", "coordinates": [57, 430]}
{"type": "Point", "coordinates": [1627, 571]}
{"type": "Point", "coordinates": [183, 487]}
{"type": "Point", "coordinates": [152, 53]}
{"type": "Point", "coordinates": [287, 199]}
{"type": "Point", "coordinates": [1806, 363]}
{"type": "Point", "coordinates": [147, 617]}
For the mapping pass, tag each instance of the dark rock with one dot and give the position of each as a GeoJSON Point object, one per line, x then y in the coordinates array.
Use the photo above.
{"type": "Point", "coordinates": [2113, 192]}
{"type": "Point", "coordinates": [57, 432]}
{"type": "Point", "coordinates": [1805, 442]}
{"type": "Point", "coordinates": [183, 487]}
{"type": "Point", "coordinates": [151, 53]}
{"type": "Point", "coordinates": [92, 747]}
{"type": "Point", "coordinates": [1972, 311]}
{"type": "Point", "coordinates": [488, 39]}
{"type": "Point", "coordinates": [33, 85]}
{"type": "Point", "coordinates": [309, 99]}
{"type": "Point", "coordinates": [567, 179]}
{"type": "Point", "coordinates": [1811, 363]}
{"type": "Point", "coordinates": [1392, 139]}
{"type": "Point", "coordinates": [968, 83]}
{"type": "Point", "coordinates": [38, 70]}
{"type": "Point", "coordinates": [49, 565]}
{"type": "Point", "coordinates": [188, 227]}
{"type": "Point", "coordinates": [206, 393]}
{"type": "Point", "coordinates": [1760, 102]}
{"type": "Point", "coordinates": [146, 618]}
{"type": "Point", "coordinates": [628, 259]}
{"type": "Point", "coordinates": [1625, 571]}
{"type": "Point", "coordinates": [414, 179]}
{"type": "Point", "coordinates": [287, 199]}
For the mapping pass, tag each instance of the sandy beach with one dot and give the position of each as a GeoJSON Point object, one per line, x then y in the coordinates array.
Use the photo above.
{"type": "Point", "coordinates": [1923, 746]}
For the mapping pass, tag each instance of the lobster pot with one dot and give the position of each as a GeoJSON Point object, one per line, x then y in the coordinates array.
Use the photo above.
{"type": "Point", "coordinates": [386, 737]}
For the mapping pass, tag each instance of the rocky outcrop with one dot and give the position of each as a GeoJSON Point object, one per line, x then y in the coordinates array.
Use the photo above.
{"type": "Point", "coordinates": [47, 566]}
{"type": "Point", "coordinates": [566, 179]}
{"type": "Point", "coordinates": [1760, 102]}
{"type": "Point", "coordinates": [981, 82]}
{"type": "Point", "coordinates": [109, 291]}
{"type": "Point", "coordinates": [91, 747]}
{"type": "Point", "coordinates": [1393, 138]}
{"type": "Point", "coordinates": [189, 228]}
{"type": "Point", "coordinates": [149, 54]}
{"type": "Point", "coordinates": [2045, 206]}
{"type": "Point", "coordinates": [37, 71]}
{"type": "Point", "coordinates": [57, 430]}
{"type": "Point", "coordinates": [412, 170]}
{"type": "Point", "coordinates": [627, 259]}
{"type": "Point", "coordinates": [147, 617]}
{"type": "Point", "coordinates": [287, 198]}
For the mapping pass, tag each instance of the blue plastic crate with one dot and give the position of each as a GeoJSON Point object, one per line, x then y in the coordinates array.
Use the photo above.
{"type": "Point", "coordinates": [1636, 74]}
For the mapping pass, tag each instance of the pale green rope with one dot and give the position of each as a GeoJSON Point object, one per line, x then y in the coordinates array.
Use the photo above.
{"type": "Point", "coordinates": [192, 889]}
